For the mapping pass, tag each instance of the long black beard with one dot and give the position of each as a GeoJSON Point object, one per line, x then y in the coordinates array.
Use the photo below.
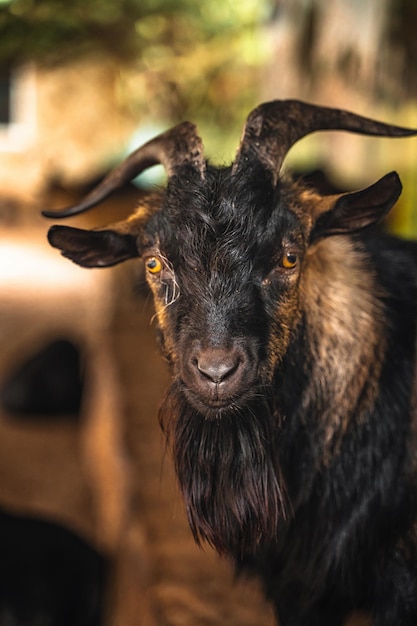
{"type": "Point", "coordinates": [228, 472]}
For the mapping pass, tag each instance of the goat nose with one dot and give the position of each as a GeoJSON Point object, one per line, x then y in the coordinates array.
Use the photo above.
{"type": "Point", "coordinates": [217, 365]}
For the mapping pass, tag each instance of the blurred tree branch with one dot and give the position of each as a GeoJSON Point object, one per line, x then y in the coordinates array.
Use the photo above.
{"type": "Point", "coordinates": [186, 56]}
{"type": "Point", "coordinates": [53, 31]}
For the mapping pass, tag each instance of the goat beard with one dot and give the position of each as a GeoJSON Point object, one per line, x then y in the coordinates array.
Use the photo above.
{"type": "Point", "coordinates": [228, 472]}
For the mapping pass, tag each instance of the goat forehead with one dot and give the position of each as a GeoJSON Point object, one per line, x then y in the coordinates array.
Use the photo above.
{"type": "Point", "coordinates": [221, 201]}
{"type": "Point", "coordinates": [222, 249]}
{"type": "Point", "coordinates": [223, 229]}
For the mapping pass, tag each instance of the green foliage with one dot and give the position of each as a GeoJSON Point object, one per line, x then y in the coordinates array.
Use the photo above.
{"type": "Point", "coordinates": [201, 63]}
{"type": "Point", "coordinates": [55, 30]}
{"type": "Point", "coordinates": [192, 59]}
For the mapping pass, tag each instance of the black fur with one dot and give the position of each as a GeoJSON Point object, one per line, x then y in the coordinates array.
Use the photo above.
{"type": "Point", "coordinates": [326, 536]}
{"type": "Point", "coordinates": [289, 323]}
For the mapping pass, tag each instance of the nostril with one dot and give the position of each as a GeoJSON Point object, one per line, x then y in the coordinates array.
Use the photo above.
{"type": "Point", "coordinates": [217, 365]}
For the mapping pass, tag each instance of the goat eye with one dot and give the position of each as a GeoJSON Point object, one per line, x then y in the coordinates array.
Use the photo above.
{"type": "Point", "coordinates": [153, 265]}
{"type": "Point", "coordinates": [289, 260]}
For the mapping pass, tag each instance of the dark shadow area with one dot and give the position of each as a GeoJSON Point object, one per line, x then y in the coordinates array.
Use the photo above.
{"type": "Point", "coordinates": [49, 383]}
{"type": "Point", "coordinates": [49, 575]}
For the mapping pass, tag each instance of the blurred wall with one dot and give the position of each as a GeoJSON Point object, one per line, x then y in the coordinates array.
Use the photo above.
{"type": "Point", "coordinates": [67, 125]}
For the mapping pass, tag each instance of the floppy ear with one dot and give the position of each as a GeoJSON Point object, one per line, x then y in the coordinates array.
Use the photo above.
{"type": "Point", "coordinates": [93, 248]}
{"type": "Point", "coordinates": [351, 212]}
{"type": "Point", "coordinates": [104, 247]}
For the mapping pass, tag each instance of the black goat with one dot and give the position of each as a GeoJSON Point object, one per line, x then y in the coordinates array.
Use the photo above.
{"type": "Point", "coordinates": [290, 326]}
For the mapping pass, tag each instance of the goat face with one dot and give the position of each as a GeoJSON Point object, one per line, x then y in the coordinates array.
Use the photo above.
{"type": "Point", "coordinates": [224, 275]}
{"type": "Point", "coordinates": [225, 259]}
{"type": "Point", "coordinates": [226, 250]}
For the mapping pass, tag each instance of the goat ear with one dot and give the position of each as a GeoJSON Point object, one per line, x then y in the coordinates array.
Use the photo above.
{"type": "Point", "coordinates": [93, 248]}
{"type": "Point", "coordinates": [351, 212]}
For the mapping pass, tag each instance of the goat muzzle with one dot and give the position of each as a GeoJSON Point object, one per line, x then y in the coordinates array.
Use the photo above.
{"type": "Point", "coordinates": [216, 377]}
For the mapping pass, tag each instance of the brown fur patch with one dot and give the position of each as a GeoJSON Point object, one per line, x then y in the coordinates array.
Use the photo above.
{"type": "Point", "coordinates": [344, 321]}
{"type": "Point", "coordinates": [308, 205]}
{"type": "Point", "coordinates": [133, 225]}
{"type": "Point", "coordinates": [359, 619]}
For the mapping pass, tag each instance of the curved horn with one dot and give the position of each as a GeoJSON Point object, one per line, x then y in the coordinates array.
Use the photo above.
{"type": "Point", "coordinates": [273, 127]}
{"type": "Point", "coordinates": [173, 149]}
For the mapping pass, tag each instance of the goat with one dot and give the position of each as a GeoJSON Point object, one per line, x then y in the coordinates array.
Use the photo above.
{"type": "Point", "coordinates": [289, 322]}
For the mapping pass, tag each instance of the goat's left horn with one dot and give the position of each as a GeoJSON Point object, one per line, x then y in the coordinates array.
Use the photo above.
{"type": "Point", "coordinates": [173, 149]}
{"type": "Point", "coordinates": [273, 127]}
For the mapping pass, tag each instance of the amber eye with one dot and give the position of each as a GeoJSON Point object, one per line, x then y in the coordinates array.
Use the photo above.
{"type": "Point", "coordinates": [153, 265]}
{"type": "Point", "coordinates": [289, 260]}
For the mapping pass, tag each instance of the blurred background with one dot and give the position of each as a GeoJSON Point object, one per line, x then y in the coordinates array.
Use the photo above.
{"type": "Point", "coordinates": [82, 84]}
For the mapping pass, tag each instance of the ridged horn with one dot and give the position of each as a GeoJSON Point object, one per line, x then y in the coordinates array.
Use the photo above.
{"type": "Point", "coordinates": [273, 127]}
{"type": "Point", "coordinates": [173, 149]}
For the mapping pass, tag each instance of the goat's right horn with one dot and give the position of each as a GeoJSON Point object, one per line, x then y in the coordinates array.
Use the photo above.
{"type": "Point", "coordinates": [273, 127]}
{"type": "Point", "coordinates": [173, 149]}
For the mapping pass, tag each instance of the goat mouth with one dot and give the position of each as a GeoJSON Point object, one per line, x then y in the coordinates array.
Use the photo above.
{"type": "Point", "coordinates": [214, 405]}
